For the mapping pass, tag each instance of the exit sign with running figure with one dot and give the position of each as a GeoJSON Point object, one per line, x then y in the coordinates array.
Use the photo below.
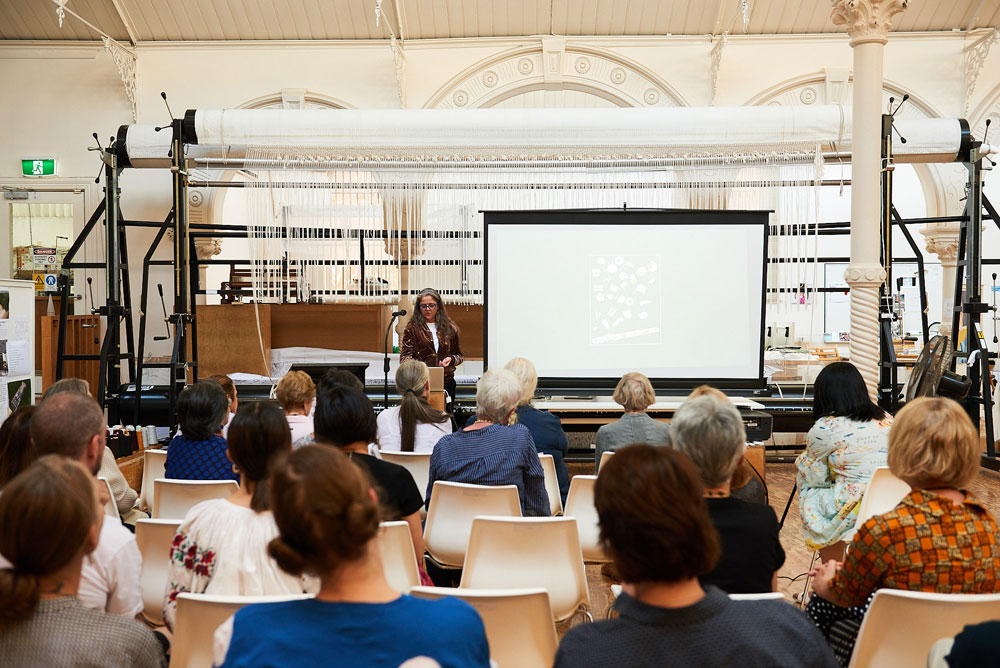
{"type": "Point", "coordinates": [37, 167]}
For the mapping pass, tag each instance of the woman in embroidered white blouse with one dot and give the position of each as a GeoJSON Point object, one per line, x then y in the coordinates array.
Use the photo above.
{"type": "Point", "coordinates": [221, 546]}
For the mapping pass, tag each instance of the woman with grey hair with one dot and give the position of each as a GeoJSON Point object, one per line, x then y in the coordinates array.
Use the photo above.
{"type": "Point", "coordinates": [710, 432]}
{"type": "Point", "coordinates": [488, 451]}
{"type": "Point", "coordinates": [635, 394]}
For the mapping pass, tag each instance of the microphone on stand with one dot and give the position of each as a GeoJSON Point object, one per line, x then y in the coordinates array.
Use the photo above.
{"type": "Point", "coordinates": [385, 362]}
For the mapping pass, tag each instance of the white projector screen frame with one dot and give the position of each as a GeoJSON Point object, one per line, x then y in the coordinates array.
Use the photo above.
{"type": "Point", "coordinates": [520, 274]}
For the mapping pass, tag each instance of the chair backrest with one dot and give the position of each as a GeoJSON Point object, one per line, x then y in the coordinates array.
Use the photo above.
{"type": "Point", "coordinates": [551, 484]}
{"type": "Point", "coordinates": [154, 463]}
{"type": "Point", "coordinates": [198, 617]}
{"type": "Point", "coordinates": [111, 507]}
{"type": "Point", "coordinates": [887, 641]}
{"type": "Point", "coordinates": [884, 493]}
{"type": "Point", "coordinates": [417, 463]}
{"type": "Point", "coordinates": [526, 552]}
{"type": "Point", "coordinates": [580, 504]}
{"type": "Point", "coordinates": [173, 498]}
{"type": "Point", "coordinates": [763, 596]}
{"type": "Point", "coordinates": [605, 456]}
{"type": "Point", "coordinates": [399, 561]}
{"type": "Point", "coordinates": [453, 507]}
{"type": "Point", "coordinates": [518, 622]}
{"type": "Point", "coordinates": [154, 538]}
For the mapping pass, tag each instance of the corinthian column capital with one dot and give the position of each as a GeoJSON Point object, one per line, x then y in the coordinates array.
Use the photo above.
{"type": "Point", "coordinates": [866, 20]}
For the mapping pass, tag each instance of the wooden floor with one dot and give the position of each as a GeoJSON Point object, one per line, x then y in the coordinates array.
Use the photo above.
{"type": "Point", "coordinates": [791, 578]}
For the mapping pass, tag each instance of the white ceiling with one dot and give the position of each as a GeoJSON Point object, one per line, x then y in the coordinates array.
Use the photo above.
{"type": "Point", "coordinates": [189, 20]}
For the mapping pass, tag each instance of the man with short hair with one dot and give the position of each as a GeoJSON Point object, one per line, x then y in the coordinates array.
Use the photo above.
{"type": "Point", "coordinates": [73, 425]}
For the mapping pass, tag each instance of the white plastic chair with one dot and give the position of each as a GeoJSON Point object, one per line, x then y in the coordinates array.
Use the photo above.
{"type": "Point", "coordinates": [763, 596]}
{"type": "Point", "coordinates": [154, 462]}
{"type": "Point", "coordinates": [580, 504]}
{"type": "Point", "coordinates": [518, 623]}
{"type": "Point", "coordinates": [154, 538]}
{"type": "Point", "coordinates": [198, 617]}
{"type": "Point", "coordinates": [605, 456]}
{"type": "Point", "coordinates": [398, 558]}
{"type": "Point", "coordinates": [900, 627]}
{"type": "Point", "coordinates": [111, 507]}
{"type": "Point", "coordinates": [551, 484]}
{"type": "Point", "coordinates": [884, 493]}
{"type": "Point", "coordinates": [173, 498]}
{"type": "Point", "coordinates": [417, 463]}
{"type": "Point", "coordinates": [527, 552]}
{"type": "Point", "coordinates": [453, 507]}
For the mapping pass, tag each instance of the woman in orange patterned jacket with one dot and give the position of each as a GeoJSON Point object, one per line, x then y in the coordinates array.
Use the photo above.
{"type": "Point", "coordinates": [940, 538]}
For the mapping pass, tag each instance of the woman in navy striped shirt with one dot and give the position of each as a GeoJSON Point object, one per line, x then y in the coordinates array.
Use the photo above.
{"type": "Point", "coordinates": [488, 452]}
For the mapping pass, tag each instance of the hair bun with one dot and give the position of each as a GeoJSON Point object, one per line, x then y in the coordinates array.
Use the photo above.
{"type": "Point", "coordinates": [287, 557]}
{"type": "Point", "coordinates": [361, 521]}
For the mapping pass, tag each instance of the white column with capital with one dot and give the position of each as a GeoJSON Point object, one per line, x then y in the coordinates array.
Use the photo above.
{"type": "Point", "coordinates": [942, 240]}
{"type": "Point", "coordinates": [868, 23]}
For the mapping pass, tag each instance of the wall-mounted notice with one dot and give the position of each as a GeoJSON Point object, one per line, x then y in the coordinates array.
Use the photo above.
{"type": "Point", "coordinates": [18, 393]}
{"type": "Point", "coordinates": [18, 358]}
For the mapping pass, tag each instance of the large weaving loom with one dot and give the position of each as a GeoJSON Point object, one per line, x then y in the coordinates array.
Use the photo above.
{"type": "Point", "coordinates": [372, 205]}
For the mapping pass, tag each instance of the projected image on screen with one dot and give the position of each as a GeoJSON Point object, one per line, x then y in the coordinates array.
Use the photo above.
{"type": "Point", "coordinates": [624, 299]}
{"type": "Point", "coordinates": [676, 295]}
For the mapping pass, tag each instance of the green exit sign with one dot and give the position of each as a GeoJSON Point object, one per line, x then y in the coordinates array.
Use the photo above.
{"type": "Point", "coordinates": [38, 166]}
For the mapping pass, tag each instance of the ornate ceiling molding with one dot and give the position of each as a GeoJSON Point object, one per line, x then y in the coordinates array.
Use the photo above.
{"type": "Point", "coordinates": [975, 57]}
{"type": "Point", "coordinates": [555, 64]}
{"type": "Point", "coordinates": [125, 60]}
{"type": "Point", "coordinates": [866, 20]}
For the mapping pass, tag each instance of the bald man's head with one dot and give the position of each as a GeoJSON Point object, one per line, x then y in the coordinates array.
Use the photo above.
{"type": "Point", "coordinates": [71, 425]}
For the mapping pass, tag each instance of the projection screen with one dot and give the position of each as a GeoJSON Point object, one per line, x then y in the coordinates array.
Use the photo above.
{"type": "Point", "coordinates": [590, 295]}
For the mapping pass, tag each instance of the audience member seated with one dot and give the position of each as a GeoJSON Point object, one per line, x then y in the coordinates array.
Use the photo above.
{"type": "Point", "coordinates": [72, 425]}
{"type": "Point", "coordinates": [328, 519]}
{"type": "Point", "coordinates": [125, 497]}
{"type": "Point", "coordinates": [229, 387]}
{"type": "Point", "coordinates": [345, 419]}
{"type": "Point", "coordinates": [199, 453]}
{"type": "Point", "coordinates": [16, 449]}
{"type": "Point", "coordinates": [545, 428]}
{"type": "Point", "coordinates": [745, 483]}
{"type": "Point", "coordinates": [635, 394]}
{"type": "Point", "coordinates": [976, 646]}
{"type": "Point", "coordinates": [655, 524]}
{"type": "Point", "coordinates": [710, 432]}
{"type": "Point", "coordinates": [489, 452]}
{"type": "Point", "coordinates": [848, 441]}
{"type": "Point", "coordinates": [221, 546]}
{"type": "Point", "coordinates": [50, 520]}
{"type": "Point", "coordinates": [331, 378]}
{"type": "Point", "coordinates": [296, 394]}
{"type": "Point", "coordinates": [940, 538]}
{"type": "Point", "coordinates": [414, 425]}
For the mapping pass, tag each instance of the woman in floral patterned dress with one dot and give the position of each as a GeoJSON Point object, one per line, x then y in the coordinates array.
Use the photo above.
{"type": "Point", "coordinates": [221, 546]}
{"type": "Point", "coordinates": [848, 441]}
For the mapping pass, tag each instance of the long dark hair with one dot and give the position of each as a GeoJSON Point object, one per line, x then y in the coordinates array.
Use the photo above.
{"type": "Point", "coordinates": [16, 449]}
{"type": "Point", "coordinates": [411, 377]}
{"type": "Point", "coordinates": [258, 433]}
{"type": "Point", "coordinates": [840, 391]}
{"type": "Point", "coordinates": [445, 325]}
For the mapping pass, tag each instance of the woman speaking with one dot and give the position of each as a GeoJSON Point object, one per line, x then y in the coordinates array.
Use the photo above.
{"type": "Point", "coordinates": [432, 338]}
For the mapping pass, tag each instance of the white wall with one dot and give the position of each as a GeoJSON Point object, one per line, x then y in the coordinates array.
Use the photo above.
{"type": "Point", "coordinates": [63, 93]}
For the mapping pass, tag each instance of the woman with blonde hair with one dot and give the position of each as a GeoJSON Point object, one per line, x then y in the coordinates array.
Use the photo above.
{"type": "Point", "coordinates": [546, 429]}
{"type": "Point", "coordinates": [50, 519]}
{"type": "Point", "coordinates": [328, 522]}
{"type": "Point", "coordinates": [296, 393]}
{"type": "Point", "coordinates": [635, 394]}
{"type": "Point", "coordinates": [414, 425]}
{"type": "Point", "coordinates": [939, 538]}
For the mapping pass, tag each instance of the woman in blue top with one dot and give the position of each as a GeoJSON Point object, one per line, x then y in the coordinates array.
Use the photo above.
{"type": "Point", "coordinates": [199, 451]}
{"type": "Point", "coordinates": [546, 430]}
{"type": "Point", "coordinates": [328, 520]}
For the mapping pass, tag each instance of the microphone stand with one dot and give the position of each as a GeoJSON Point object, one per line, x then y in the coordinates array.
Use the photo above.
{"type": "Point", "coordinates": [385, 361]}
